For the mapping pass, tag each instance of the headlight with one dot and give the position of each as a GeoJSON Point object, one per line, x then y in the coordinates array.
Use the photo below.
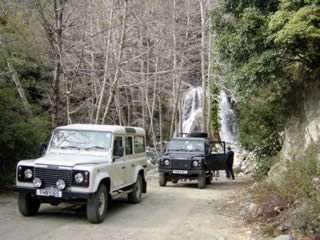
{"type": "Point", "coordinates": [37, 182]}
{"type": "Point", "coordinates": [79, 178]}
{"type": "Point", "coordinates": [61, 184]}
{"type": "Point", "coordinates": [28, 173]}
{"type": "Point", "coordinates": [166, 162]}
{"type": "Point", "coordinates": [195, 163]}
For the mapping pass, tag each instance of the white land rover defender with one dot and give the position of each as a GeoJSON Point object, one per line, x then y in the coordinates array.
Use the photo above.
{"type": "Point", "coordinates": [86, 164]}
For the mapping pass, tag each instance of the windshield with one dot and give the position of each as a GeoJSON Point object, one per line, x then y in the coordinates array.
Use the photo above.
{"type": "Point", "coordinates": [76, 139]}
{"type": "Point", "coordinates": [186, 145]}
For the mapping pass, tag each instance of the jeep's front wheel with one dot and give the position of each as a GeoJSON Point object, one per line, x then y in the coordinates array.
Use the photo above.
{"type": "Point", "coordinates": [202, 180]}
{"type": "Point", "coordinates": [162, 180]}
{"type": "Point", "coordinates": [97, 205]}
{"type": "Point", "coordinates": [136, 194]}
{"type": "Point", "coordinates": [28, 206]}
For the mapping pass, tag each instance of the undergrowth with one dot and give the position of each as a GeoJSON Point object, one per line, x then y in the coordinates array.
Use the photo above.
{"type": "Point", "coordinates": [296, 200]}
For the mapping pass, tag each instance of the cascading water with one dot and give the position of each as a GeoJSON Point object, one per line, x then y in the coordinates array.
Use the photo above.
{"type": "Point", "coordinates": [229, 129]}
{"type": "Point", "coordinates": [192, 115]}
{"type": "Point", "coordinates": [192, 110]}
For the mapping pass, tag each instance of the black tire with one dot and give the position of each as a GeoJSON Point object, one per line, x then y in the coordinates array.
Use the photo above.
{"type": "Point", "coordinates": [97, 205]}
{"type": "Point", "coordinates": [202, 180]}
{"type": "Point", "coordinates": [209, 178]}
{"type": "Point", "coordinates": [162, 180]}
{"type": "Point", "coordinates": [28, 206]}
{"type": "Point", "coordinates": [174, 181]}
{"type": "Point", "coordinates": [136, 194]}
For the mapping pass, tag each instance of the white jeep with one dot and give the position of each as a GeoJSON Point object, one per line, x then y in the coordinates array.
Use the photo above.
{"type": "Point", "coordinates": [86, 164]}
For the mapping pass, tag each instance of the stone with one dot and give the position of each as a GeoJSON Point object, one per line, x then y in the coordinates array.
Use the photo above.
{"type": "Point", "coordinates": [284, 237]}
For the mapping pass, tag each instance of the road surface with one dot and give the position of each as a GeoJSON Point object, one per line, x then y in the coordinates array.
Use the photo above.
{"type": "Point", "coordinates": [178, 211]}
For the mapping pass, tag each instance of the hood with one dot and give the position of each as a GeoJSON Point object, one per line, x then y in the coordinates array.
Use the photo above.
{"type": "Point", "coordinates": [70, 160]}
{"type": "Point", "coordinates": [183, 155]}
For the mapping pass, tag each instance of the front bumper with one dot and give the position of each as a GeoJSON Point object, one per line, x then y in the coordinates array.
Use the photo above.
{"type": "Point", "coordinates": [66, 195]}
{"type": "Point", "coordinates": [190, 173]}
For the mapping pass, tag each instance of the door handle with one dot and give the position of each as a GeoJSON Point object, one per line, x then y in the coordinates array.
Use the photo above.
{"type": "Point", "coordinates": [133, 165]}
{"type": "Point", "coordinates": [123, 168]}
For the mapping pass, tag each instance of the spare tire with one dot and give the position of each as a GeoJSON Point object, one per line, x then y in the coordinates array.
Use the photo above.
{"type": "Point", "coordinates": [198, 135]}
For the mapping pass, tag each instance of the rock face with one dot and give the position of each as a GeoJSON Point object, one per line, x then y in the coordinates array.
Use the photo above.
{"type": "Point", "coordinates": [302, 130]}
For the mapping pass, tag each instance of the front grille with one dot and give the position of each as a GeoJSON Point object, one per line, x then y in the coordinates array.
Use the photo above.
{"type": "Point", "coordinates": [49, 177]}
{"type": "Point", "coordinates": [180, 164]}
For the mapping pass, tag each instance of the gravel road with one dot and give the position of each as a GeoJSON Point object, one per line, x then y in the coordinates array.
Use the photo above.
{"type": "Point", "coordinates": [178, 211]}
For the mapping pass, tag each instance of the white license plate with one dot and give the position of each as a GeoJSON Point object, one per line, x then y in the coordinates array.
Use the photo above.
{"type": "Point", "coordinates": [49, 193]}
{"type": "Point", "coordinates": [179, 171]}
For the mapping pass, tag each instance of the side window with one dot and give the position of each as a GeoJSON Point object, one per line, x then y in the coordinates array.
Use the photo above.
{"type": "Point", "coordinates": [117, 146]}
{"type": "Point", "coordinates": [139, 146]}
{"type": "Point", "coordinates": [128, 145]}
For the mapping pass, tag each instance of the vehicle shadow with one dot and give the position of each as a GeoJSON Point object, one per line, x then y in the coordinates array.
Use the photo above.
{"type": "Point", "coordinates": [222, 184]}
{"type": "Point", "coordinates": [77, 211]}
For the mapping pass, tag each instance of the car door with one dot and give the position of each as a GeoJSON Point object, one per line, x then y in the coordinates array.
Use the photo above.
{"type": "Point", "coordinates": [118, 168]}
{"type": "Point", "coordinates": [129, 158]}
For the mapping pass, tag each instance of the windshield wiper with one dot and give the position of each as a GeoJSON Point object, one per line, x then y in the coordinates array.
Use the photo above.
{"type": "Point", "coordinates": [178, 150]}
{"type": "Point", "coordinates": [72, 147]}
{"type": "Point", "coordinates": [196, 150]}
{"type": "Point", "coordinates": [95, 147]}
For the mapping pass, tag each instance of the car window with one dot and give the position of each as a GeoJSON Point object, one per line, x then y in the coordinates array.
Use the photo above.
{"type": "Point", "coordinates": [117, 145]}
{"type": "Point", "coordinates": [139, 146]}
{"type": "Point", "coordinates": [128, 145]}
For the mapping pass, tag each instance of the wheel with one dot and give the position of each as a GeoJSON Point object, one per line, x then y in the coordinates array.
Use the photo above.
{"type": "Point", "coordinates": [202, 180]}
{"type": "Point", "coordinates": [209, 178]}
{"type": "Point", "coordinates": [97, 205]}
{"type": "Point", "coordinates": [174, 181]}
{"type": "Point", "coordinates": [162, 180]}
{"type": "Point", "coordinates": [28, 206]}
{"type": "Point", "coordinates": [136, 194]}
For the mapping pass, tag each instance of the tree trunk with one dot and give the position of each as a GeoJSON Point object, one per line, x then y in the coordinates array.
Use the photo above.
{"type": "Point", "coordinates": [118, 62]}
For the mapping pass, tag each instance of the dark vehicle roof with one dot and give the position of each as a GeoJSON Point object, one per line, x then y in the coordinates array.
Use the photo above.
{"type": "Point", "coordinates": [188, 138]}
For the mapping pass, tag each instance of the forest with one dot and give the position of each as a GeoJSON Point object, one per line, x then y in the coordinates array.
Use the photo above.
{"type": "Point", "coordinates": [131, 62]}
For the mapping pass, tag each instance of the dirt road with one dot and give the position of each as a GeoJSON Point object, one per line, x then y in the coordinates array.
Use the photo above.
{"type": "Point", "coordinates": [179, 211]}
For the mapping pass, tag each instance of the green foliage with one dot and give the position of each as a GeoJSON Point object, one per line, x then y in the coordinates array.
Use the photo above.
{"type": "Point", "coordinates": [20, 134]}
{"type": "Point", "coordinates": [271, 48]}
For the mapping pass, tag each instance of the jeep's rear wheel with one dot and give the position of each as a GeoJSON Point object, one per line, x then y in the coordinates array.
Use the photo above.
{"type": "Point", "coordinates": [97, 205]}
{"type": "Point", "coordinates": [28, 206]}
{"type": "Point", "coordinates": [202, 180]}
{"type": "Point", "coordinates": [162, 180]}
{"type": "Point", "coordinates": [136, 194]}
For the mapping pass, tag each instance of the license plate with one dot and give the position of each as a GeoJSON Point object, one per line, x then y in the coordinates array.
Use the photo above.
{"type": "Point", "coordinates": [179, 171]}
{"type": "Point", "coordinates": [49, 193]}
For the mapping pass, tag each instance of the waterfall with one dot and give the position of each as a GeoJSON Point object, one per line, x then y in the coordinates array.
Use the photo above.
{"type": "Point", "coordinates": [192, 110]}
{"type": "Point", "coordinates": [229, 129]}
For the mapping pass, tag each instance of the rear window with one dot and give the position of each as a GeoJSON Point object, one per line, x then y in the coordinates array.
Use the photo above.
{"type": "Point", "coordinates": [139, 145]}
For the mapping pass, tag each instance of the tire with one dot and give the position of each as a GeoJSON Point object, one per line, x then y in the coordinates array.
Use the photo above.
{"type": "Point", "coordinates": [97, 205]}
{"type": "Point", "coordinates": [162, 180]}
{"type": "Point", "coordinates": [136, 194]}
{"type": "Point", "coordinates": [202, 181]}
{"type": "Point", "coordinates": [28, 206]}
{"type": "Point", "coordinates": [174, 181]}
{"type": "Point", "coordinates": [209, 178]}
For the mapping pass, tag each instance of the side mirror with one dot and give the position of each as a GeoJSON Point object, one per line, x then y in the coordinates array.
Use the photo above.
{"type": "Point", "coordinates": [43, 149]}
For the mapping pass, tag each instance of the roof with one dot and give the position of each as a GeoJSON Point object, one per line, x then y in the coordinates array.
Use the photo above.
{"type": "Point", "coordinates": [117, 129]}
{"type": "Point", "coordinates": [189, 138]}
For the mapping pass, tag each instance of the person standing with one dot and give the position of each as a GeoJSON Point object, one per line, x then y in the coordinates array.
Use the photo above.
{"type": "Point", "coordinates": [230, 155]}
